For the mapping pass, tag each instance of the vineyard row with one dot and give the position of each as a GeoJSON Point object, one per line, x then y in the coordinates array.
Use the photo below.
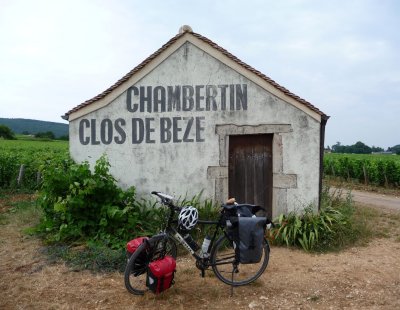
{"type": "Point", "coordinates": [367, 170]}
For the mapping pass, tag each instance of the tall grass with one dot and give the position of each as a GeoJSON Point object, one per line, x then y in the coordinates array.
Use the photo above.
{"type": "Point", "coordinates": [334, 227]}
{"type": "Point", "coordinates": [22, 213]}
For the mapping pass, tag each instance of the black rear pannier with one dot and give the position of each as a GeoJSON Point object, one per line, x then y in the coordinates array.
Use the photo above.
{"type": "Point", "coordinates": [249, 245]}
{"type": "Point", "coordinates": [247, 232]}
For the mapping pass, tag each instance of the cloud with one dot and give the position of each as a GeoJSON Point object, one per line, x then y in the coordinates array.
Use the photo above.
{"type": "Point", "coordinates": [342, 57]}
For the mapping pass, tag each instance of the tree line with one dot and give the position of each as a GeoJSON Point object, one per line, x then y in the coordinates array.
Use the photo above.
{"type": "Point", "coordinates": [7, 134]}
{"type": "Point", "coordinates": [361, 148]}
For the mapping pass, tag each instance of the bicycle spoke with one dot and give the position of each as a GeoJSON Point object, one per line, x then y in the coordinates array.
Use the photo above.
{"type": "Point", "coordinates": [226, 257]}
{"type": "Point", "coordinates": [136, 269]}
{"type": "Point", "coordinates": [224, 263]}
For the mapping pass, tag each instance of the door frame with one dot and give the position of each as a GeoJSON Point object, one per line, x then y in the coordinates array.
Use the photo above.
{"type": "Point", "coordinates": [281, 182]}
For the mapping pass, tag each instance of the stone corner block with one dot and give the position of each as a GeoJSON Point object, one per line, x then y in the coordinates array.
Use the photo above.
{"type": "Point", "coordinates": [284, 180]}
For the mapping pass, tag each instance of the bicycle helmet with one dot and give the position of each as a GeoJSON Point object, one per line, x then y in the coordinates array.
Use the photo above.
{"type": "Point", "coordinates": [188, 217]}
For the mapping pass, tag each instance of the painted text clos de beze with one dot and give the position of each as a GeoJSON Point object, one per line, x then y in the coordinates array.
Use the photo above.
{"type": "Point", "coordinates": [159, 99]}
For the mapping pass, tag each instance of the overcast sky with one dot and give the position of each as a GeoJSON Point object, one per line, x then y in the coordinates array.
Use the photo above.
{"type": "Point", "coordinates": [342, 56]}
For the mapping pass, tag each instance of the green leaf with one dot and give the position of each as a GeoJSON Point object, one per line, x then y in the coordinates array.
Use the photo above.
{"type": "Point", "coordinates": [60, 207]}
{"type": "Point", "coordinates": [103, 222]}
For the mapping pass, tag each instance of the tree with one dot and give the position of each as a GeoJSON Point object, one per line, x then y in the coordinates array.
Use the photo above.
{"type": "Point", "coordinates": [45, 135]}
{"type": "Point", "coordinates": [376, 149]}
{"type": "Point", "coordinates": [395, 149]}
{"type": "Point", "coordinates": [6, 133]}
{"type": "Point", "coordinates": [338, 148]}
{"type": "Point", "coordinates": [65, 138]}
{"type": "Point", "coordinates": [360, 148]}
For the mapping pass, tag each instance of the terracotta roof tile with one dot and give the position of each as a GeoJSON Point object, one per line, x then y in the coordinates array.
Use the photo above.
{"type": "Point", "coordinates": [214, 45]}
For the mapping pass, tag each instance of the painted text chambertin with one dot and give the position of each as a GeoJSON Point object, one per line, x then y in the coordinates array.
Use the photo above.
{"type": "Point", "coordinates": [175, 129]}
{"type": "Point", "coordinates": [194, 118]}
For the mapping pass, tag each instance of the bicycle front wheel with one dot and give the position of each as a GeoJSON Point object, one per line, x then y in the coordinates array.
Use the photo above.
{"type": "Point", "coordinates": [136, 268]}
{"type": "Point", "coordinates": [229, 270]}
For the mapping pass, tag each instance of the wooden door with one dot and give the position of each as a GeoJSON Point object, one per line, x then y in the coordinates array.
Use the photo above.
{"type": "Point", "coordinates": [250, 170]}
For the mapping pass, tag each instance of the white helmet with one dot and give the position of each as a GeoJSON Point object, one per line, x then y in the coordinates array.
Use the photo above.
{"type": "Point", "coordinates": [188, 217]}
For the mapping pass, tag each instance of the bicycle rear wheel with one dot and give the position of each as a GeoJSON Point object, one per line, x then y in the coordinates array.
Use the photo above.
{"type": "Point", "coordinates": [136, 268]}
{"type": "Point", "coordinates": [229, 270]}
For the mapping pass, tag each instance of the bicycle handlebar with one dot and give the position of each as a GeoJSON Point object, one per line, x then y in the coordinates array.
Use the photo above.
{"type": "Point", "coordinates": [163, 196]}
{"type": "Point", "coordinates": [166, 200]}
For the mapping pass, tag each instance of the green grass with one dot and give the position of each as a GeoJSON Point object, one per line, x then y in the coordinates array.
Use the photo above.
{"type": "Point", "coordinates": [33, 144]}
{"type": "Point", "coordinates": [92, 257]}
{"type": "Point", "coordinates": [24, 213]}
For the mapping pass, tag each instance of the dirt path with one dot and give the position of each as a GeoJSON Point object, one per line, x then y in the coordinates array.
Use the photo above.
{"type": "Point", "coordinates": [377, 200]}
{"type": "Point", "coordinates": [358, 278]}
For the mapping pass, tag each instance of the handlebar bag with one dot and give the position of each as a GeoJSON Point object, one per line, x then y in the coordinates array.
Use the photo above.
{"type": "Point", "coordinates": [249, 239]}
{"type": "Point", "coordinates": [160, 274]}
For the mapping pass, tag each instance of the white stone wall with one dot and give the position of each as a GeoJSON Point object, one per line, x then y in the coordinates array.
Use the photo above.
{"type": "Point", "coordinates": [180, 168]}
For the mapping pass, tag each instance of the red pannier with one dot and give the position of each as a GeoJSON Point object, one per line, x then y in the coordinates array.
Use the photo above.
{"type": "Point", "coordinates": [132, 245]}
{"type": "Point", "coordinates": [160, 274]}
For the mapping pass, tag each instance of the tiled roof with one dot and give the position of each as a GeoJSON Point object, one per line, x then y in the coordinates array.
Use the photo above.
{"type": "Point", "coordinates": [215, 46]}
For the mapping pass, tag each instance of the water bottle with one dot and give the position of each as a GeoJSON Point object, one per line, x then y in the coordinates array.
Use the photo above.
{"type": "Point", "coordinates": [205, 245]}
{"type": "Point", "coordinates": [189, 240]}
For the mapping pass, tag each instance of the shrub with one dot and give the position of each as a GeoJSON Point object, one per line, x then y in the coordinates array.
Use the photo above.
{"type": "Point", "coordinates": [81, 205]}
{"type": "Point", "coordinates": [330, 228]}
{"type": "Point", "coordinates": [6, 133]}
{"type": "Point", "coordinates": [46, 135]}
{"type": "Point", "coordinates": [86, 207]}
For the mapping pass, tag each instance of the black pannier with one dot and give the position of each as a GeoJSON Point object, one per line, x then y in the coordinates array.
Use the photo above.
{"type": "Point", "coordinates": [249, 246]}
{"type": "Point", "coordinates": [247, 232]}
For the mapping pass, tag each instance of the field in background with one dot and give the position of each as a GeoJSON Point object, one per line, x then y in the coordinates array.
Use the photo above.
{"type": "Point", "coordinates": [22, 160]}
{"type": "Point", "coordinates": [365, 156]}
{"type": "Point", "coordinates": [27, 142]}
{"type": "Point", "coordinates": [367, 169]}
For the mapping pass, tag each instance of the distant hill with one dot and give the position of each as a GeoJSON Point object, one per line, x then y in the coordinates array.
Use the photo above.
{"type": "Point", "coordinates": [31, 126]}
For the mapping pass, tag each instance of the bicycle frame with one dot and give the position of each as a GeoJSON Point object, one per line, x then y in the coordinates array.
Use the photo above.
{"type": "Point", "coordinates": [170, 231]}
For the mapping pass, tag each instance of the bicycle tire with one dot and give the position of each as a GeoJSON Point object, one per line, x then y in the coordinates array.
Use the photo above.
{"type": "Point", "coordinates": [223, 263]}
{"type": "Point", "coordinates": [136, 269]}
